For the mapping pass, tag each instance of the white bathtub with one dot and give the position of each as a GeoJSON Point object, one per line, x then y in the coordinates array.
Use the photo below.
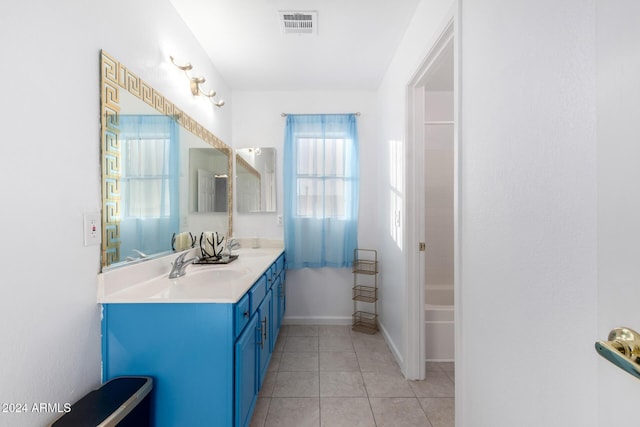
{"type": "Point", "coordinates": [438, 319]}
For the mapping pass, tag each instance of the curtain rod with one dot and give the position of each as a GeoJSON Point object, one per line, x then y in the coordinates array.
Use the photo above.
{"type": "Point", "coordinates": [320, 114]}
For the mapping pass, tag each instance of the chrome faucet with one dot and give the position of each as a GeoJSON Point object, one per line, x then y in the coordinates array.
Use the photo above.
{"type": "Point", "coordinates": [179, 268]}
{"type": "Point", "coordinates": [140, 253]}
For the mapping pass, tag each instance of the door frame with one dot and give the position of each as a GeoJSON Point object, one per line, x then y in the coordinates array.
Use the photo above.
{"type": "Point", "coordinates": [415, 178]}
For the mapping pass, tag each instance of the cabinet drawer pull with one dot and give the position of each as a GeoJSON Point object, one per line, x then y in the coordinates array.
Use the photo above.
{"type": "Point", "coordinates": [264, 333]}
{"type": "Point", "coordinates": [266, 326]}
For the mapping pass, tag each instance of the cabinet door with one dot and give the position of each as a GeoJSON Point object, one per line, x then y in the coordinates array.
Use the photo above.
{"type": "Point", "coordinates": [264, 340]}
{"type": "Point", "coordinates": [246, 389]}
{"type": "Point", "coordinates": [282, 298]}
{"type": "Point", "coordinates": [275, 304]}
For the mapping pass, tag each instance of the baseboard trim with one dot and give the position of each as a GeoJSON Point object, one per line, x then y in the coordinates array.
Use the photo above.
{"type": "Point", "coordinates": [392, 346]}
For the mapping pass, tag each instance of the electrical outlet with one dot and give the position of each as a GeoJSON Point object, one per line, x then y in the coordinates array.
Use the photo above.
{"type": "Point", "coordinates": [92, 233]}
{"type": "Point", "coordinates": [279, 219]}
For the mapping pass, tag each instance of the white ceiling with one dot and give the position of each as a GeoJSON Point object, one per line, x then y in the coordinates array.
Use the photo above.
{"type": "Point", "coordinates": [355, 42]}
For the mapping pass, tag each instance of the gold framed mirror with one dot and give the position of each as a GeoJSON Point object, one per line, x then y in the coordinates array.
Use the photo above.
{"type": "Point", "coordinates": [125, 95]}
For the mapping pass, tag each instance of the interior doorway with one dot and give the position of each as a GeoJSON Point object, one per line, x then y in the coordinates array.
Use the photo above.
{"type": "Point", "coordinates": [433, 230]}
{"type": "Point", "coordinates": [438, 268]}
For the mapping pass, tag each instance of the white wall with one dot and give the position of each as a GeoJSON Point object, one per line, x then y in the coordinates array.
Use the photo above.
{"type": "Point", "coordinates": [528, 206]}
{"type": "Point", "coordinates": [618, 197]}
{"type": "Point", "coordinates": [50, 334]}
{"type": "Point", "coordinates": [426, 25]}
{"type": "Point", "coordinates": [529, 241]}
{"type": "Point", "coordinates": [322, 295]}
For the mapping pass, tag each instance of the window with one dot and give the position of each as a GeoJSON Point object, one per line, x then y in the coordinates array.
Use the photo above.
{"type": "Point", "coordinates": [321, 190]}
{"type": "Point", "coordinates": [323, 177]}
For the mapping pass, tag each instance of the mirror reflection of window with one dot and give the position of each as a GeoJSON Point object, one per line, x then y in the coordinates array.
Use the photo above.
{"type": "Point", "coordinates": [149, 181]}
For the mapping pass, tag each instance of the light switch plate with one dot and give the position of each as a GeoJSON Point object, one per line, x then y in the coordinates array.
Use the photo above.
{"type": "Point", "coordinates": [92, 231]}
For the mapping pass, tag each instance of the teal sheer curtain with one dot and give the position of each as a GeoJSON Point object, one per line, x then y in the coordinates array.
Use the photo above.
{"type": "Point", "coordinates": [150, 202]}
{"type": "Point", "coordinates": [321, 181]}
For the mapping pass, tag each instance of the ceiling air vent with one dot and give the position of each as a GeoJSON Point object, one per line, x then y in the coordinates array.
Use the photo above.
{"type": "Point", "coordinates": [298, 22]}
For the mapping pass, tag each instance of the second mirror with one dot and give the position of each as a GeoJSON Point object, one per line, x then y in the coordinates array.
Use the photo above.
{"type": "Point", "coordinates": [256, 179]}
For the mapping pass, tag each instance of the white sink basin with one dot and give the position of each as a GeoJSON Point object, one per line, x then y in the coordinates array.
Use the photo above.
{"type": "Point", "coordinates": [201, 282]}
{"type": "Point", "coordinates": [225, 283]}
{"type": "Point", "coordinates": [209, 276]}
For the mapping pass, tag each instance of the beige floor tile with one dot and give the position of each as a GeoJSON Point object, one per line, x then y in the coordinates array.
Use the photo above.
{"type": "Point", "coordinates": [332, 376]}
{"type": "Point", "coordinates": [293, 412]}
{"type": "Point", "coordinates": [440, 411]}
{"type": "Point", "coordinates": [434, 366]}
{"type": "Point", "coordinates": [297, 384]}
{"type": "Point", "coordinates": [448, 366]}
{"type": "Point", "coordinates": [378, 362]}
{"type": "Point", "coordinates": [356, 335]}
{"type": "Point", "coordinates": [335, 343]}
{"type": "Point", "coordinates": [451, 375]}
{"type": "Point", "coordinates": [302, 331]}
{"type": "Point", "coordinates": [280, 343]}
{"type": "Point", "coordinates": [339, 361]}
{"type": "Point", "coordinates": [334, 331]}
{"type": "Point", "coordinates": [284, 330]}
{"type": "Point", "coordinates": [364, 343]}
{"type": "Point", "coordinates": [268, 384]}
{"type": "Point", "coordinates": [299, 361]}
{"type": "Point", "coordinates": [342, 384]}
{"type": "Point", "coordinates": [398, 412]}
{"type": "Point", "coordinates": [381, 384]}
{"type": "Point", "coordinates": [260, 412]}
{"type": "Point", "coordinates": [436, 384]}
{"type": "Point", "coordinates": [274, 364]}
{"type": "Point", "coordinates": [346, 412]}
{"type": "Point", "coordinates": [301, 344]}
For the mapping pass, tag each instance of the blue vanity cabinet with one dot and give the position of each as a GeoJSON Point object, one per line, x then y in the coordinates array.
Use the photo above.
{"type": "Point", "coordinates": [253, 353]}
{"type": "Point", "coordinates": [242, 310]}
{"type": "Point", "coordinates": [246, 387]}
{"type": "Point", "coordinates": [279, 295]}
{"type": "Point", "coordinates": [275, 305]}
{"type": "Point", "coordinates": [208, 360]}
{"type": "Point", "coordinates": [264, 341]}
{"type": "Point", "coordinates": [283, 297]}
{"type": "Point", "coordinates": [188, 350]}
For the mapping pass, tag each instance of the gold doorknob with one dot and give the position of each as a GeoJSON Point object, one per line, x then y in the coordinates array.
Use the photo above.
{"type": "Point", "coordinates": [622, 349]}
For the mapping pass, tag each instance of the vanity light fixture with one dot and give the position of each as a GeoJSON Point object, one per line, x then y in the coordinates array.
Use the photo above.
{"type": "Point", "coordinates": [195, 82]}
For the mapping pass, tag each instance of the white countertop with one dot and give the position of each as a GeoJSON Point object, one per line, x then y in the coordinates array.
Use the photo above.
{"type": "Point", "coordinates": [148, 282]}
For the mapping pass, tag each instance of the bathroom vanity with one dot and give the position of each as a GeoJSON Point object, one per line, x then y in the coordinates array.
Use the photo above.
{"type": "Point", "coordinates": [206, 338]}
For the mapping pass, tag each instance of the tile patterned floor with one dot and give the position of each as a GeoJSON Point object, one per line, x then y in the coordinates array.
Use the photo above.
{"type": "Point", "coordinates": [330, 376]}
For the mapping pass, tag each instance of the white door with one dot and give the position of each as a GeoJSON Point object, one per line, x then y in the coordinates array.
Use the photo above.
{"type": "Point", "coordinates": [618, 112]}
